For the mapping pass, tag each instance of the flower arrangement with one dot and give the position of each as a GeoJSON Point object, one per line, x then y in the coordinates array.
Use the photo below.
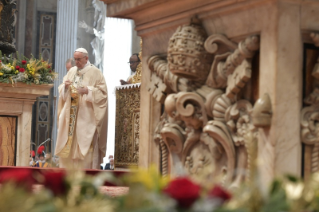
{"type": "Point", "coordinates": [148, 191]}
{"type": "Point", "coordinates": [37, 71]}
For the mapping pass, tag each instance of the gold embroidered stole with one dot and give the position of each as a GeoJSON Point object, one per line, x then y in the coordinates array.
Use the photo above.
{"type": "Point", "coordinates": [73, 114]}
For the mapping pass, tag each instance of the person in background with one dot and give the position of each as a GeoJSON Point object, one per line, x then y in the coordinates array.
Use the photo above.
{"type": "Point", "coordinates": [69, 64]}
{"type": "Point", "coordinates": [32, 161]}
{"type": "Point", "coordinates": [110, 165]}
{"type": "Point", "coordinates": [102, 165]}
{"type": "Point", "coordinates": [42, 162]}
{"type": "Point", "coordinates": [134, 61]}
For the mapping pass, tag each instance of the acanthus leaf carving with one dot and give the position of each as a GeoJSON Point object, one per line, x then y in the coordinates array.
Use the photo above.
{"type": "Point", "coordinates": [219, 133]}
{"type": "Point", "coordinates": [174, 137]}
{"type": "Point", "coordinates": [219, 44]}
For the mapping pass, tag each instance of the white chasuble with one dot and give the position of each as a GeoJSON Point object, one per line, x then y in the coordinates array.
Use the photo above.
{"type": "Point", "coordinates": [89, 128]}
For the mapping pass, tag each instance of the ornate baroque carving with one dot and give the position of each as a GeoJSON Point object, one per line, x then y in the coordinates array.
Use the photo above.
{"type": "Point", "coordinates": [310, 117]}
{"type": "Point", "coordinates": [206, 126]}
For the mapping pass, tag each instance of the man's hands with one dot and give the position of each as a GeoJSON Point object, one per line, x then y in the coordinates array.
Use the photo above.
{"type": "Point", "coordinates": [67, 83]}
{"type": "Point", "coordinates": [123, 82]}
{"type": "Point", "coordinates": [83, 90]}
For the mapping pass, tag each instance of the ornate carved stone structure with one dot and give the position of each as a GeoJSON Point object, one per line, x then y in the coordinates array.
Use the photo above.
{"type": "Point", "coordinates": [310, 117]}
{"type": "Point", "coordinates": [207, 125]}
{"type": "Point", "coordinates": [220, 93]}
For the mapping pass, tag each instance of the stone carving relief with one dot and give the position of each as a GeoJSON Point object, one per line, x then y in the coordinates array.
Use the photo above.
{"type": "Point", "coordinates": [310, 117]}
{"type": "Point", "coordinates": [204, 124]}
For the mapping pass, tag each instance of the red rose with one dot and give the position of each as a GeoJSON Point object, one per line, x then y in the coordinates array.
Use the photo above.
{"type": "Point", "coordinates": [21, 70]}
{"type": "Point", "coordinates": [219, 192]}
{"type": "Point", "coordinates": [17, 67]}
{"type": "Point", "coordinates": [23, 62]}
{"type": "Point", "coordinates": [21, 177]}
{"type": "Point", "coordinates": [184, 191]}
{"type": "Point", "coordinates": [48, 66]}
{"type": "Point", "coordinates": [55, 181]}
{"type": "Point", "coordinates": [50, 71]}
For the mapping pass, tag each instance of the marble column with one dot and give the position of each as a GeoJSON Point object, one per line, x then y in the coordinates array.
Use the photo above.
{"type": "Point", "coordinates": [66, 34]}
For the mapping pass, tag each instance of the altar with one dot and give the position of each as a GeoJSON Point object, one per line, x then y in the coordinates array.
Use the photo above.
{"type": "Point", "coordinates": [16, 102]}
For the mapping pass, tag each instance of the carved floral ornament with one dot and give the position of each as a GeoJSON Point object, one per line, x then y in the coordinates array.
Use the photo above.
{"type": "Point", "coordinates": [204, 125]}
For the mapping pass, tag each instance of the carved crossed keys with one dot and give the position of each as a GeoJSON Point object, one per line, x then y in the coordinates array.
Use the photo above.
{"type": "Point", "coordinates": [204, 124]}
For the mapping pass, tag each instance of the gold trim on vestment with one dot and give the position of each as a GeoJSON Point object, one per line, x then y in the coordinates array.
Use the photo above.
{"type": "Point", "coordinates": [73, 115]}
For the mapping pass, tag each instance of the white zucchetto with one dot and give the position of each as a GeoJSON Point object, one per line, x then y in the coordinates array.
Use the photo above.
{"type": "Point", "coordinates": [83, 50]}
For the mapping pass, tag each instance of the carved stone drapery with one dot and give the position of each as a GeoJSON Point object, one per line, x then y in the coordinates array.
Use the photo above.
{"type": "Point", "coordinates": [206, 125]}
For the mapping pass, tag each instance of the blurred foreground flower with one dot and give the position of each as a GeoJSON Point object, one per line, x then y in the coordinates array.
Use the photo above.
{"type": "Point", "coordinates": [183, 190]}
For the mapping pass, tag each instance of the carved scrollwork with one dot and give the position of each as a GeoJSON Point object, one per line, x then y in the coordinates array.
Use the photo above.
{"type": "Point", "coordinates": [188, 107]}
{"type": "Point", "coordinates": [310, 116]}
{"type": "Point", "coordinates": [219, 133]}
{"type": "Point", "coordinates": [310, 132]}
{"type": "Point", "coordinates": [219, 44]}
{"type": "Point", "coordinates": [192, 109]}
{"type": "Point", "coordinates": [196, 88]}
{"type": "Point", "coordinates": [201, 155]}
{"type": "Point", "coordinates": [239, 121]}
{"type": "Point", "coordinates": [174, 137]}
{"type": "Point", "coordinates": [309, 125]}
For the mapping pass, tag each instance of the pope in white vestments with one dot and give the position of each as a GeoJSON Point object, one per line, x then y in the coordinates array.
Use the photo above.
{"type": "Point", "coordinates": [82, 115]}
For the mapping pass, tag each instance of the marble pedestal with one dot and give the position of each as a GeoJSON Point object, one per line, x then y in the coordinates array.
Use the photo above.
{"type": "Point", "coordinates": [17, 101]}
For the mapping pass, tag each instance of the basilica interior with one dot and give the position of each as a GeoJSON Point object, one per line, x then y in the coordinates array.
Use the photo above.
{"type": "Point", "coordinates": [210, 98]}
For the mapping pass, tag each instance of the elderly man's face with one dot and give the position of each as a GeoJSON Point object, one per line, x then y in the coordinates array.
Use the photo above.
{"type": "Point", "coordinates": [134, 62]}
{"type": "Point", "coordinates": [80, 59]}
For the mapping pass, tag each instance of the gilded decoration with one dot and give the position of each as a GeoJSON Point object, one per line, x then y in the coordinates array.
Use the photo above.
{"type": "Point", "coordinates": [207, 123]}
{"type": "Point", "coordinates": [127, 126]}
{"type": "Point", "coordinates": [138, 75]}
